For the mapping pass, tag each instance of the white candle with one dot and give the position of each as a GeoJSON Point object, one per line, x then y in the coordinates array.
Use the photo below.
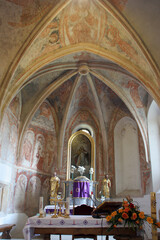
{"type": "Point", "coordinates": [67, 205]}
{"type": "Point", "coordinates": [41, 205]}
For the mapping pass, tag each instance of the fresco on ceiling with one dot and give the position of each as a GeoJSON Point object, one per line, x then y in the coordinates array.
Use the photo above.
{"type": "Point", "coordinates": [120, 4]}
{"type": "Point", "coordinates": [9, 132]}
{"type": "Point", "coordinates": [60, 97]}
{"type": "Point", "coordinates": [90, 23]}
{"type": "Point", "coordinates": [82, 22]}
{"type": "Point", "coordinates": [39, 148]}
{"type": "Point", "coordinates": [133, 87]}
{"type": "Point", "coordinates": [127, 87]}
{"type": "Point", "coordinates": [30, 11]}
{"type": "Point", "coordinates": [84, 97]}
{"type": "Point", "coordinates": [15, 106]}
{"type": "Point", "coordinates": [108, 100]}
{"type": "Point", "coordinates": [43, 117]}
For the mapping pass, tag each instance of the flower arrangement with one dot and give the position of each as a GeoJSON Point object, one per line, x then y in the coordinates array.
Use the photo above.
{"type": "Point", "coordinates": [81, 170]}
{"type": "Point", "coordinates": [130, 214]}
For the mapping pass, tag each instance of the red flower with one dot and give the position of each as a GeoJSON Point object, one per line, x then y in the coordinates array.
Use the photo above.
{"type": "Point", "coordinates": [125, 215]}
{"type": "Point", "coordinates": [131, 205]}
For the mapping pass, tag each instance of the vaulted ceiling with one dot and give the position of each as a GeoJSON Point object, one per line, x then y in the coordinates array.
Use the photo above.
{"type": "Point", "coordinates": [80, 54]}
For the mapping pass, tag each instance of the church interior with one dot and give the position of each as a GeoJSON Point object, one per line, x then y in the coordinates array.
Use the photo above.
{"type": "Point", "coordinates": [79, 86]}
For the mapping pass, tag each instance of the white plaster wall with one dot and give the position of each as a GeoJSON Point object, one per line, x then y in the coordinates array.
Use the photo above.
{"type": "Point", "coordinates": [5, 173]}
{"type": "Point", "coordinates": [154, 141]}
{"type": "Point", "coordinates": [127, 162]}
{"type": "Point", "coordinates": [19, 219]}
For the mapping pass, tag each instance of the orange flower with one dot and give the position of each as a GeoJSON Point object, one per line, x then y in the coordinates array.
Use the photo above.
{"type": "Point", "coordinates": [127, 209]}
{"type": "Point", "coordinates": [113, 213]}
{"type": "Point", "coordinates": [141, 215]}
{"type": "Point", "coordinates": [134, 216]}
{"type": "Point", "coordinates": [149, 220]}
{"type": "Point", "coordinates": [114, 226]}
{"type": "Point", "coordinates": [125, 204]}
{"type": "Point", "coordinates": [137, 221]}
{"type": "Point", "coordinates": [120, 220]}
{"type": "Point", "coordinates": [120, 210]}
{"type": "Point", "coordinates": [158, 224]}
{"type": "Point", "coordinates": [125, 215]}
{"type": "Point", "coordinates": [108, 218]}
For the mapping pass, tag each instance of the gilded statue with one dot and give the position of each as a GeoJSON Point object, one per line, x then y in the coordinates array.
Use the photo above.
{"type": "Point", "coordinates": [106, 185]}
{"type": "Point", "coordinates": [55, 182]}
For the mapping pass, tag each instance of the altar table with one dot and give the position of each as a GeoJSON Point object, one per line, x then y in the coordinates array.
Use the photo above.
{"type": "Point", "coordinates": [74, 225]}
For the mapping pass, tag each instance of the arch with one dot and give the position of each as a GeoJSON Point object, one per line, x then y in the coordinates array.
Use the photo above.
{"type": "Point", "coordinates": [127, 161]}
{"type": "Point", "coordinates": [85, 126]}
{"type": "Point", "coordinates": [154, 143]}
{"type": "Point", "coordinates": [91, 140]}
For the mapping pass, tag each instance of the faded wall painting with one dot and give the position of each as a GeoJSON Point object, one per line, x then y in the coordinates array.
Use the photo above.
{"type": "Point", "coordinates": [33, 194]}
{"type": "Point", "coordinates": [20, 194]}
{"type": "Point", "coordinates": [39, 148]}
{"type": "Point", "coordinates": [9, 134]}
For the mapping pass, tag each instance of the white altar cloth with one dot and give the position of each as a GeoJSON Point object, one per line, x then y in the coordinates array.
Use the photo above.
{"type": "Point", "coordinates": [61, 222]}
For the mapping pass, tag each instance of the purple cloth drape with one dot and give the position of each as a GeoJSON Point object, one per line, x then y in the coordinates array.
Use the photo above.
{"type": "Point", "coordinates": [81, 189]}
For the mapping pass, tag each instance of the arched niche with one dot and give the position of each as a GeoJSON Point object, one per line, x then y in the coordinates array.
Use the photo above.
{"type": "Point", "coordinates": [127, 159]}
{"type": "Point", "coordinates": [154, 143]}
{"type": "Point", "coordinates": [81, 152]}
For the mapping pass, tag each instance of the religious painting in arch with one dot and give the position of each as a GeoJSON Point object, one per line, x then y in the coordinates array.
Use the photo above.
{"type": "Point", "coordinates": [81, 155]}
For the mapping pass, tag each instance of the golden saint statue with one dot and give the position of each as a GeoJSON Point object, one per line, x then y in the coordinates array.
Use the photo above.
{"type": "Point", "coordinates": [106, 185]}
{"type": "Point", "coordinates": [55, 182]}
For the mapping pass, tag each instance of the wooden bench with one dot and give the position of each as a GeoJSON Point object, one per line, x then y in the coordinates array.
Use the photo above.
{"type": "Point", "coordinates": [5, 229]}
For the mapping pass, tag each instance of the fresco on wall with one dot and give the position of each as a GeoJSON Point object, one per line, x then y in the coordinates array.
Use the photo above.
{"type": "Point", "coordinates": [27, 148]}
{"type": "Point", "coordinates": [28, 188]}
{"type": "Point", "coordinates": [38, 155]}
{"type": "Point", "coordinates": [8, 138]}
{"type": "Point", "coordinates": [33, 194]}
{"type": "Point", "coordinates": [20, 194]}
{"type": "Point", "coordinates": [39, 148]}
{"type": "Point", "coordinates": [46, 191]}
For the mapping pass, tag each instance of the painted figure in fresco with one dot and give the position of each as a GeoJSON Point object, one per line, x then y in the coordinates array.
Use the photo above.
{"type": "Point", "coordinates": [33, 194]}
{"type": "Point", "coordinates": [19, 199]}
{"type": "Point", "coordinates": [55, 182]}
{"type": "Point", "coordinates": [82, 157]}
{"type": "Point", "coordinates": [106, 185]}
{"type": "Point", "coordinates": [39, 150]}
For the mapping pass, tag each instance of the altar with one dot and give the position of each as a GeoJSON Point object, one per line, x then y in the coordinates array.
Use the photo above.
{"type": "Point", "coordinates": [81, 190]}
{"type": "Point", "coordinates": [73, 225]}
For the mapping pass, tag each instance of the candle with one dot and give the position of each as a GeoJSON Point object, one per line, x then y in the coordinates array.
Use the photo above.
{"type": "Point", "coordinates": [67, 205]}
{"type": "Point", "coordinates": [41, 205]}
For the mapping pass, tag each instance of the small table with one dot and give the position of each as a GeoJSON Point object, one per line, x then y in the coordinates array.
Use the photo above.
{"type": "Point", "coordinates": [75, 225]}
